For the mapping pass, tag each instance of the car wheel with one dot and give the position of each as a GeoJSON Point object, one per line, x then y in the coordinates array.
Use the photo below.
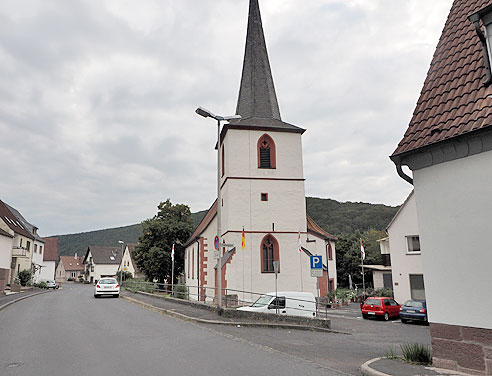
{"type": "Point", "coordinates": [386, 316]}
{"type": "Point", "coordinates": [404, 321]}
{"type": "Point", "coordinates": [365, 316]}
{"type": "Point", "coordinates": [96, 296]}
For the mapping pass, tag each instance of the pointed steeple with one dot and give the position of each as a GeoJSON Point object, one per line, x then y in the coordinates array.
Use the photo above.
{"type": "Point", "coordinates": [257, 98]}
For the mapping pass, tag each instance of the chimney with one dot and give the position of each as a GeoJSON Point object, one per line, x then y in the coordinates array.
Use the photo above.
{"type": "Point", "coordinates": [75, 257]}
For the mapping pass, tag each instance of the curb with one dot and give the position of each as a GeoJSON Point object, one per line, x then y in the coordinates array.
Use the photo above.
{"type": "Point", "coordinates": [2, 307]}
{"type": "Point", "coordinates": [367, 370]}
{"type": "Point", "coordinates": [230, 323]}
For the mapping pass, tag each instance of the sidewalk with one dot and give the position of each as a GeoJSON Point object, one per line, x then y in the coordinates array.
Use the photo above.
{"type": "Point", "coordinates": [6, 299]}
{"type": "Point", "coordinates": [207, 315]}
{"type": "Point", "coordinates": [385, 367]}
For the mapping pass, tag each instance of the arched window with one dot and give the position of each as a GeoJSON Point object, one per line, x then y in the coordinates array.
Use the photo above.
{"type": "Point", "coordinates": [269, 253]}
{"type": "Point", "coordinates": [266, 152]}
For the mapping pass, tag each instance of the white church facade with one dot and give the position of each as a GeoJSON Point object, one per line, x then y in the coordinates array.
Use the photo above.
{"type": "Point", "coordinates": [262, 194]}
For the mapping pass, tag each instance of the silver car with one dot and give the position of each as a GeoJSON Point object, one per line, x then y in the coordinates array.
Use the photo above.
{"type": "Point", "coordinates": [50, 284]}
{"type": "Point", "coordinates": [107, 286]}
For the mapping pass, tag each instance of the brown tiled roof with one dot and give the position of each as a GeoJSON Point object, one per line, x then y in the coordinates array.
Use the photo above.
{"type": "Point", "coordinates": [311, 226]}
{"type": "Point", "coordinates": [314, 227]}
{"type": "Point", "coordinates": [104, 255]}
{"type": "Point", "coordinates": [453, 101]}
{"type": "Point", "coordinates": [203, 224]}
{"type": "Point", "coordinates": [50, 249]}
{"type": "Point", "coordinates": [10, 220]}
{"type": "Point", "coordinates": [70, 263]}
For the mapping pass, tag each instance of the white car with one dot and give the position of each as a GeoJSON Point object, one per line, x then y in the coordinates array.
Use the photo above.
{"type": "Point", "coordinates": [107, 286]}
{"type": "Point", "coordinates": [287, 303]}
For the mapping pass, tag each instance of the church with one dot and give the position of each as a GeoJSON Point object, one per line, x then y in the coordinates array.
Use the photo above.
{"type": "Point", "coordinates": [262, 198]}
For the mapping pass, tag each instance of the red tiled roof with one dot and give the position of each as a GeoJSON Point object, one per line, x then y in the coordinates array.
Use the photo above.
{"type": "Point", "coordinates": [50, 249]}
{"type": "Point", "coordinates": [67, 260]}
{"type": "Point", "coordinates": [311, 226]}
{"type": "Point", "coordinates": [453, 100]}
{"type": "Point", "coordinates": [314, 227]}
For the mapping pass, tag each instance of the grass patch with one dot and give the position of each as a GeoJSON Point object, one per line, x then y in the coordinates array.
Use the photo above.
{"type": "Point", "coordinates": [392, 353]}
{"type": "Point", "coordinates": [416, 353]}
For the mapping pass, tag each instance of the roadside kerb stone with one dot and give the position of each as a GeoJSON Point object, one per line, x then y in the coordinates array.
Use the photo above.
{"type": "Point", "coordinates": [400, 368]}
{"type": "Point", "coordinates": [264, 317]}
{"type": "Point", "coordinates": [21, 298]}
{"type": "Point", "coordinates": [230, 323]}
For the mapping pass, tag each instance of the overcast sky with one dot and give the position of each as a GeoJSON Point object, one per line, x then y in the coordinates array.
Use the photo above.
{"type": "Point", "coordinates": [97, 99]}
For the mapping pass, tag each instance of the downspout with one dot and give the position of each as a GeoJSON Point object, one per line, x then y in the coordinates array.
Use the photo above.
{"type": "Point", "coordinates": [328, 287]}
{"type": "Point", "coordinates": [198, 266]}
{"type": "Point", "coordinates": [402, 175]}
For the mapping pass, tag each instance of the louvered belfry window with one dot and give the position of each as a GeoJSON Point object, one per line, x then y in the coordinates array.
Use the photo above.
{"type": "Point", "coordinates": [266, 152]}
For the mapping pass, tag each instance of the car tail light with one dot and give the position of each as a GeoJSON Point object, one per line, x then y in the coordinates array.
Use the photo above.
{"type": "Point", "coordinates": [98, 286]}
{"type": "Point", "coordinates": [117, 285]}
{"type": "Point", "coordinates": [401, 309]}
{"type": "Point", "coordinates": [422, 310]}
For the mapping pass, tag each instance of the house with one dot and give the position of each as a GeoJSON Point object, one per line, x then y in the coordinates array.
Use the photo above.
{"type": "Point", "coordinates": [50, 257]}
{"type": "Point", "coordinates": [69, 268]}
{"type": "Point", "coordinates": [262, 191]}
{"type": "Point", "coordinates": [128, 262]}
{"type": "Point", "coordinates": [38, 245]}
{"type": "Point", "coordinates": [101, 262]}
{"type": "Point", "coordinates": [22, 246]}
{"type": "Point", "coordinates": [6, 243]}
{"type": "Point", "coordinates": [448, 148]}
{"type": "Point", "coordinates": [406, 254]}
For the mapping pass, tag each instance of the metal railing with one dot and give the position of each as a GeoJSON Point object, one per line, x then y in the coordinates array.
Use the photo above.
{"type": "Point", "coordinates": [230, 297]}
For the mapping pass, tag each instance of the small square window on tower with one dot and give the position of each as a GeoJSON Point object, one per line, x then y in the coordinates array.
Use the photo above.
{"type": "Point", "coordinates": [264, 197]}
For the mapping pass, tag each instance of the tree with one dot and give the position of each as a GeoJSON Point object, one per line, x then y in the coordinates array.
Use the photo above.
{"type": "Point", "coordinates": [349, 255]}
{"type": "Point", "coordinates": [171, 224]}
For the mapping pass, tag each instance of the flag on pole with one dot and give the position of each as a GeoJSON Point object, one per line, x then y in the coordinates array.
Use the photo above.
{"type": "Point", "coordinates": [362, 251]}
{"type": "Point", "coordinates": [299, 246]}
{"type": "Point", "coordinates": [243, 240]}
{"type": "Point", "coordinates": [172, 253]}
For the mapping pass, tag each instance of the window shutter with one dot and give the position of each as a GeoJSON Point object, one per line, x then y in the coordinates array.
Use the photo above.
{"type": "Point", "coordinates": [265, 158]}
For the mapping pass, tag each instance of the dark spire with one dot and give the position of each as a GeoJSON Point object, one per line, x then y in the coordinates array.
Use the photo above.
{"type": "Point", "coordinates": [257, 98]}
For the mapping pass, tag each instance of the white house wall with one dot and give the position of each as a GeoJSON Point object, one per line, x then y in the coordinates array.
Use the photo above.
{"type": "Point", "coordinates": [48, 270]}
{"type": "Point", "coordinates": [5, 251]}
{"type": "Point", "coordinates": [37, 259]}
{"type": "Point", "coordinates": [454, 206]}
{"type": "Point", "coordinates": [404, 263]}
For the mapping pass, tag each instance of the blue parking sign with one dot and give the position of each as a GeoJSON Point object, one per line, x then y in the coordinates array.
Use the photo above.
{"type": "Point", "coordinates": [316, 262]}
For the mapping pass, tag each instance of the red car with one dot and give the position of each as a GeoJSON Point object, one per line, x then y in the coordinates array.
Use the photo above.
{"type": "Point", "coordinates": [380, 307]}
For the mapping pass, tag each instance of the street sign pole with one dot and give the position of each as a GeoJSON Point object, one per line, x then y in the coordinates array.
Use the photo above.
{"type": "Point", "coordinates": [275, 268]}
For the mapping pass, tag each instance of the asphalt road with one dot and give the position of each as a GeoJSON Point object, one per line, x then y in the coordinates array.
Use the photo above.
{"type": "Point", "coordinates": [68, 332]}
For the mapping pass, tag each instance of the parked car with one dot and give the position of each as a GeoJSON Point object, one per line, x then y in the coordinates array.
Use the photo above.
{"type": "Point", "coordinates": [413, 310]}
{"type": "Point", "coordinates": [382, 307]}
{"type": "Point", "coordinates": [50, 284]}
{"type": "Point", "coordinates": [288, 303]}
{"type": "Point", "coordinates": [107, 286]}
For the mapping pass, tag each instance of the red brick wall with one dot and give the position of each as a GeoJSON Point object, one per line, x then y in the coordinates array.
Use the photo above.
{"type": "Point", "coordinates": [323, 291]}
{"type": "Point", "coordinates": [203, 267]}
{"type": "Point", "coordinates": [462, 348]}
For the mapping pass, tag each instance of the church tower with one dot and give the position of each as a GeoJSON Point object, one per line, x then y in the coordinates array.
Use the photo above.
{"type": "Point", "coordinates": [262, 177]}
{"type": "Point", "coordinates": [262, 194]}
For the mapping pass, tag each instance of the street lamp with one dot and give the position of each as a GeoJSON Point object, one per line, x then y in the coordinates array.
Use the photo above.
{"type": "Point", "coordinates": [206, 113]}
{"type": "Point", "coordinates": [121, 268]}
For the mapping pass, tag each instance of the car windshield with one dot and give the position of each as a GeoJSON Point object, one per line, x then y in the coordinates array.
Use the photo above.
{"type": "Point", "coordinates": [108, 281]}
{"type": "Point", "coordinates": [414, 304]}
{"type": "Point", "coordinates": [373, 302]}
{"type": "Point", "coordinates": [262, 301]}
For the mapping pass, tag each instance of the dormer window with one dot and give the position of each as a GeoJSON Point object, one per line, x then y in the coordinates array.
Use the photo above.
{"type": "Point", "coordinates": [484, 16]}
{"type": "Point", "coordinates": [266, 152]}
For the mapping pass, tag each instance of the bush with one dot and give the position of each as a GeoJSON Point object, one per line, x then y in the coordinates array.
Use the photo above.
{"type": "Point", "coordinates": [383, 292]}
{"type": "Point", "coordinates": [42, 285]}
{"type": "Point", "coordinates": [181, 291]}
{"type": "Point", "coordinates": [126, 276]}
{"type": "Point", "coordinates": [416, 353]}
{"type": "Point", "coordinates": [24, 277]}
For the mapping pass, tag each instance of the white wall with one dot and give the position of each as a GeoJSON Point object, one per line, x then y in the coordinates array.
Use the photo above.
{"type": "Point", "coordinates": [5, 251]}
{"type": "Point", "coordinates": [454, 210]}
{"type": "Point", "coordinates": [126, 262]}
{"type": "Point", "coordinates": [48, 271]}
{"type": "Point", "coordinates": [404, 263]}
{"type": "Point", "coordinates": [37, 259]}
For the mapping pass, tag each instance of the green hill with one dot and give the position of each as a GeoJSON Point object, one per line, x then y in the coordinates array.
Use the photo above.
{"type": "Point", "coordinates": [335, 217]}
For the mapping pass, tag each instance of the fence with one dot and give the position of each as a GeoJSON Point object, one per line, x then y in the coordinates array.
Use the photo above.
{"type": "Point", "coordinates": [230, 297]}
